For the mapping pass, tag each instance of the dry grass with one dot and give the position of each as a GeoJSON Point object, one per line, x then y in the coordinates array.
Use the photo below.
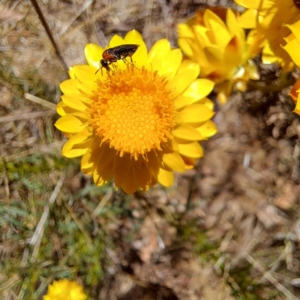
{"type": "Point", "coordinates": [227, 230]}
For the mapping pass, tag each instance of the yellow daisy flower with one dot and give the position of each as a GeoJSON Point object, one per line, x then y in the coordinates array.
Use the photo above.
{"type": "Point", "coordinates": [270, 18]}
{"type": "Point", "coordinates": [65, 290]}
{"type": "Point", "coordinates": [140, 122]}
{"type": "Point", "coordinates": [218, 44]}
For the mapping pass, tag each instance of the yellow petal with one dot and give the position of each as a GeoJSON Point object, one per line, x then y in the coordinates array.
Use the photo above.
{"type": "Point", "coordinates": [70, 124]}
{"type": "Point", "coordinates": [199, 89]}
{"type": "Point", "coordinates": [85, 74]}
{"type": "Point", "coordinates": [204, 37]}
{"type": "Point", "coordinates": [188, 65]}
{"type": "Point", "coordinates": [77, 145]}
{"type": "Point", "coordinates": [233, 55]}
{"type": "Point", "coordinates": [174, 161]}
{"type": "Point", "coordinates": [87, 164]}
{"type": "Point", "coordinates": [93, 55]}
{"type": "Point", "coordinates": [186, 47]}
{"type": "Point", "coordinates": [185, 31]}
{"type": "Point", "coordinates": [175, 145]}
{"type": "Point", "coordinates": [141, 55]}
{"type": "Point", "coordinates": [255, 41]}
{"type": "Point", "coordinates": [122, 166]}
{"type": "Point", "coordinates": [213, 22]}
{"type": "Point", "coordinates": [131, 174]}
{"type": "Point", "coordinates": [70, 86]}
{"type": "Point", "coordinates": [293, 49]}
{"type": "Point", "coordinates": [158, 52]}
{"type": "Point", "coordinates": [182, 101]}
{"type": "Point", "coordinates": [103, 158]}
{"type": "Point", "coordinates": [165, 177]}
{"type": "Point", "coordinates": [182, 80]}
{"type": "Point", "coordinates": [74, 102]}
{"type": "Point", "coordinates": [295, 28]}
{"type": "Point", "coordinates": [60, 109]}
{"type": "Point", "coordinates": [74, 86]}
{"type": "Point", "coordinates": [268, 56]}
{"type": "Point", "coordinates": [193, 150]}
{"type": "Point", "coordinates": [215, 55]}
{"type": "Point", "coordinates": [187, 132]}
{"type": "Point", "coordinates": [86, 78]}
{"type": "Point", "coordinates": [98, 179]}
{"type": "Point", "coordinates": [248, 19]}
{"type": "Point", "coordinates": [116, 41]}
{"type": "Point", "coordinates": [82, 116]}
{"type": "Point", "coordinates": [84, 99]}
{"type": "Point", "coordinates": [71, 73]}
{"type": "Point", "coordinates": [208, 129]}
{"type": "Point", "coordinates": [196, 113]}
{"type": "Point", "coordinates": [249, 4]}
{"type": "Point", "coordinates": [154, 163]}
{"type": "Point", "coordinates": [130, 185]}
{"type": "Point", "coordinates": [189, 162]}
{"type": "Point", "coordinates": [171, 63]}
{"type": "Point", "coordinates": [143, 175]}
{"type": "Point", "coordinates": [233, 26]}
{"type": "Point", "coordinates": [208, 103]}
{"type": "Point", "coordinates": [133, 37]}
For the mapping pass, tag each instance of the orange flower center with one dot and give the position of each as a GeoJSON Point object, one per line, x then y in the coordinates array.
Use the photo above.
{"type": "Point", "coordinates": [133, 111]}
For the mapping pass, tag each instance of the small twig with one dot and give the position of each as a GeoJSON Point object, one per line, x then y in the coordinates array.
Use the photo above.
{"type": "Point", "coordinates": [49, 33]}
{"type": "Point", "coordinates": [103, 202]}
{"type": "Point", "coordinates": [38, 234]}
{"type": "Point", "coordinates": [41, 101]}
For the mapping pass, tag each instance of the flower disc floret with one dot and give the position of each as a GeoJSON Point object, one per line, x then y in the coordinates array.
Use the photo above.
{"type": "Point", "coordinates": [133, 111]}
